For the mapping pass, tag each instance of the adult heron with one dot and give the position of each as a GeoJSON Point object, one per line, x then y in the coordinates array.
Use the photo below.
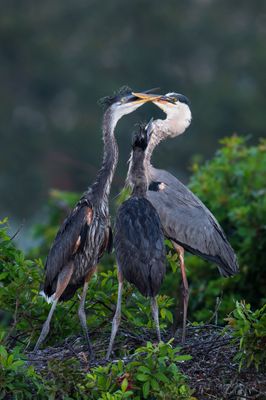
{"type": "Point", "coordinates": [186, 221]}
{"type": "Point", "coordinates": [138, 239]}
{"type": "Point", "coordinates": [86, 232]}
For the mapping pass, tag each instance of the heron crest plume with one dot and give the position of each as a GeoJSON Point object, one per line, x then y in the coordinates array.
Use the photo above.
{"type": "Point", "coordinates": [107, 101]}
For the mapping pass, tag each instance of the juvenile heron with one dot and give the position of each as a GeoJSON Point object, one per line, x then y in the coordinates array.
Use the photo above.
{"type": "Point", "coordinates": [186, 221]}
{"type": "Point", "coordinates": [138, 240]}
{"type": "Point", "coordinates": [86, 232]}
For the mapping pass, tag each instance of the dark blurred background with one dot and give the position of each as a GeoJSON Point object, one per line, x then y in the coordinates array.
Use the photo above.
{"type": "Point", "coordinates": [57, 58]}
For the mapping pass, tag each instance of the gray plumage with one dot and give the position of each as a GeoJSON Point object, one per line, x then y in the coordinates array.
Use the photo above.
{"type": "Point", "coordinates": [86, 233]}
{"type": "Point", "coordinates": [138, 237]}
{"type": "Point", "coordinates": [185, 219]}
{"type": "Point", "coordinates": [138, 240]}
{"type": "Point", "coordinates": [78, 241]}
{"type": "Point", "coordinates": [188, 222]}
{"type": "Point", "coordinates": [139, 245]}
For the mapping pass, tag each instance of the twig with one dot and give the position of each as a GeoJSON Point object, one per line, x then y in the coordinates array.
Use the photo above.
{"type": "Point", "coordinates": [214, 316]}
{"type": "Point", "coordinates": [17, 231]}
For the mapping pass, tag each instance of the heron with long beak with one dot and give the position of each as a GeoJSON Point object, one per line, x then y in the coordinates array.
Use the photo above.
{"type": "Point", "coordinates": [186, 221]}
{"type": "Point", "coordinates": [86, 233]}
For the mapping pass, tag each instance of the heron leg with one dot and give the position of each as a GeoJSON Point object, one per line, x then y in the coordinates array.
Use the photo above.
{"type": "Point", "coordinates": [185, 291]}
{"type": "Point", "coordinates": [62, 282]}
{"type": "Point", "coordinates": [82, 314]}
{"type": "Point", "coordinates": [46, 327]}
{"type": "Point", "coordinates": [155, 315]}
{"type": "Point", "coordinates": [117, 316]}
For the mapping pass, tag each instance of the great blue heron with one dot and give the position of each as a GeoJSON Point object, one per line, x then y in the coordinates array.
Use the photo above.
{"type": "Point", "coordinates": [138, 240]}
{"type": "Point", "coordinates": [186, 221]}
{"type": "Point", "coordinates": [86, 232]}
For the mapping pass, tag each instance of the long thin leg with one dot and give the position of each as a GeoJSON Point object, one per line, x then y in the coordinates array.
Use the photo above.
{"type": "Point", "coordinates": [46, 326]}
{"type": "Point", "coordinates": [82, 315]}
{"type": "Point", "coordinates": [62, 282]}
{"type": "Point", "coordinates": [185, 290]}
{"type": "Point", "coordinates": [155, 315]}
{"type": "Point", "coordinates": [117, 316]}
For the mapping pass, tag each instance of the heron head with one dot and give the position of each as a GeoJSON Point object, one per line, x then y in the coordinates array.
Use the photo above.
{"type": "Point", "coordinates": [177, 108]}
{"type": "Point", "coordinates": [141, 138]}
{"type": "Point", "coordinates": [125, 102]}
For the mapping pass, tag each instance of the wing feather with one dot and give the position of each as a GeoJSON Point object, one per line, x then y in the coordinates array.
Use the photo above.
{"type": "Point", "coordinates": [69, 240]}
{"type": "Point", "coordinates": [139, 245]}
{"type": "Point", "coordinates": [188, 222]}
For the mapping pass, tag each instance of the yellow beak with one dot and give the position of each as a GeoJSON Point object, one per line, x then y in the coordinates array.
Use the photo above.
{"type": "Point", "coordinates": [145, 97]}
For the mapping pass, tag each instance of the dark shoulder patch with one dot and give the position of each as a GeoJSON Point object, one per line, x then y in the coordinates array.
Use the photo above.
{"type": "Point", "coordinates": [157, 186]}
{"type": "Point", "coordinates": [154, 186]}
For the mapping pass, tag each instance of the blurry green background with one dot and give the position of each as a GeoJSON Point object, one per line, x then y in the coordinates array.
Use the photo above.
{"type": "Point", "coordinates": [57, 58]}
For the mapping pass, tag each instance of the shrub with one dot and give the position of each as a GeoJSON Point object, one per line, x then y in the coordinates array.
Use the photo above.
{"type": "Point", "coordinates": [249, 331]}
{"type": "Point", "coordinates": [152, 373]}
{"type": "Point", "coordinates": [232, 185]}
{"type": "Point", "coordinates": [17, 381]}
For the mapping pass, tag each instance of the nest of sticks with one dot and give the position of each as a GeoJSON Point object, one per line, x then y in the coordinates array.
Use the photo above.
{"type": "Point", "coordinates": [212, 371]}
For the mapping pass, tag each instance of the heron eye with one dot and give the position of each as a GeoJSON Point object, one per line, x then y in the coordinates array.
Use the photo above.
{"type": "Point", "coordinates": [174, 99]}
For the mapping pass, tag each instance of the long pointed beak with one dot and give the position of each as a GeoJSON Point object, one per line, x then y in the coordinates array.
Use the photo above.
{"type": "Point", "coordinates": [145, 97]}
{"type": "Point", "coordinates": [156, 98]}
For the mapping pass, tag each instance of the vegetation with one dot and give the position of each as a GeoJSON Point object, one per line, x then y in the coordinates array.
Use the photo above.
{"type": "Point", "coordinates": [152, 373]}
{"type": "Point", "coordinates": [232, 184]}
{"type": "Point", "coordinates": [249, 331]}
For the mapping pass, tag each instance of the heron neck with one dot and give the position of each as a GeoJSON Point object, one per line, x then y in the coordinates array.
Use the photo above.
{"type": "Point", "coordinates": [156, 137]}
{"type": "Point", "coordinates": [102, 185]}
{"type": "Point", "coordinates": [138, 174]}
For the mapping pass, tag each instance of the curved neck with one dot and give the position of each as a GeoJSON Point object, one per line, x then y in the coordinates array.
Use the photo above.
{"type": "Point", "coordinates": [156, 137]}
{"type": "Point", "coordinates": [102, 184]}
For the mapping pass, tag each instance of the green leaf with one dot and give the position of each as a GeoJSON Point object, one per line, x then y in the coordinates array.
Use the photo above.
{"type": "Point", "coordinates": [3, 275]}
{"type": "Point", "coordinates": [3, 352]}
{"type": "Point", "coordinates": [124, 385]}
{"type": "Point", "coordinates": [184, 357]}
{"type": "Point", "coordinates": [161, 377]}
{"type": "Point", "coordinates": [143, 369]}
{"type": "Point", "coordinates": [154, 384]}
{"type": "Point", "coordinates": [17, 364]}
{"type": "Point", "coordinates": [142, 377]}
{"type": "Point", "coordinates": [169, 316]}
{"type": "Point", "coordinates": [146, 389]}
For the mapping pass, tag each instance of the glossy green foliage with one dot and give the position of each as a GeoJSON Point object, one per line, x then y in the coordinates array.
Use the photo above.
{"type": "Point", "coordinates": [152, 373]}
{"type": "Point", "coordinates": [249, 332]}
{"type": "Point", "coordinates": [17, 380]}
{"type": "Point", "coordinates": [232, 185]}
